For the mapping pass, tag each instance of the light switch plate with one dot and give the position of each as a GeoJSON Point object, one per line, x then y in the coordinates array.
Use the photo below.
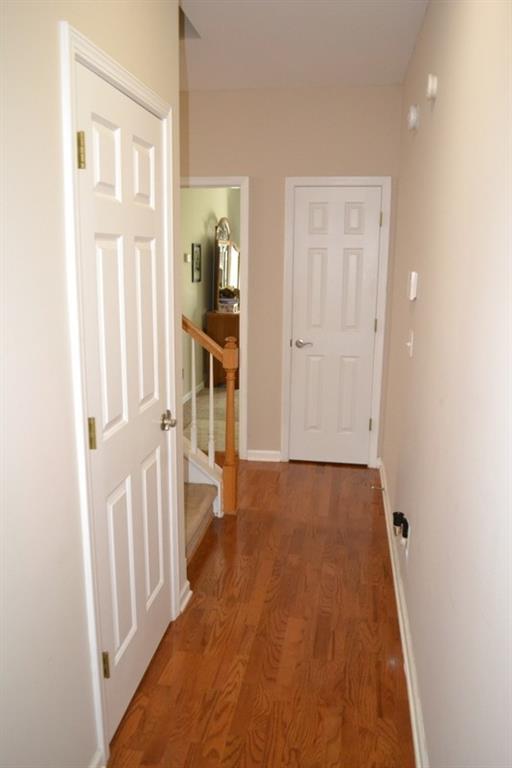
{"type": "Point", "coordinates": [413, 117]}
{"type": "Point", "coordinates": [413, 286]}
{"type": "Point", "coordinates": [432, 87]}
{"type": "Point", "coordinates": [187, 258]}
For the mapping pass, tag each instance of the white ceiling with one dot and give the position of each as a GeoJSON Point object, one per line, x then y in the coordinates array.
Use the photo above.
{"type": "Point", "coordinates": [293, 43]}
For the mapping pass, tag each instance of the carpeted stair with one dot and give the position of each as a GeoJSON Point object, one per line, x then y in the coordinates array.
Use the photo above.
{"type": "Point", "coordinates": [199, 499]}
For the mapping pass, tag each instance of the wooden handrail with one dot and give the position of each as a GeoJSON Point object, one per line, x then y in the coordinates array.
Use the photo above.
{"type": "Point", "coordinates": [202, 338]}
{"type": "Point", "coordinates": [228, 357]}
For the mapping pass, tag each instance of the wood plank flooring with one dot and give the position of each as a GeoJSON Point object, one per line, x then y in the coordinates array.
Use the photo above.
{"type": "Point", "coordinates": [289, 653]}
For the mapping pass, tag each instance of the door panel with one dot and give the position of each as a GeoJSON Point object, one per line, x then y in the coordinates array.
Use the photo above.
{"type": "Point", "coordinates": [111, 332]}
{"type": "Point", "coordinates": [313, 399]}
{"type": "Point", "coordinates": [335, 269]}
{"type": "Point", "coordinates": [122, 566]}
{"type": "Point", "coordinates": [351, 281]}
{"type": "Point", "coordinates": [147, 321]}
{"type": "Point", "coordinates": [122, 256]}
{"type": "Point", "coordinates": [144, 172]}
{"type": "Point", "coordinates": [153, 527]}
{"type": "Point", "coordinates": [347, 387]}
{"type": "Point", "coordinates": [317, 286]}
{"type": "Point", "coordinates": [106, 148]}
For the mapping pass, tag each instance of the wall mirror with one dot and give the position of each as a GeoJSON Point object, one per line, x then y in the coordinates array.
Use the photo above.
{"type": "Point", "coordinates": [227, 269]}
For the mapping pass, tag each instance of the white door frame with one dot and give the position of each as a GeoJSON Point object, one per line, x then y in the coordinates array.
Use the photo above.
{"type": "Point", "coordinates": [291, 183]}
{"type": "Point", "coordinates": [243, 183]}
{"type": "Point", "coordinates": [75, 49]}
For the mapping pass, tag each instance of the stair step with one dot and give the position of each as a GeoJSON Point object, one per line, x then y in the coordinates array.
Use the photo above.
{"type": "Point", "coordinates": [199, 498]}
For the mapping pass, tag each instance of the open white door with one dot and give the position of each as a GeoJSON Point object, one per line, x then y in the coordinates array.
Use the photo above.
{"type": "Point", "coordinates": [122, 231]}
{"type": "Point", "coordinates": [335, 275]}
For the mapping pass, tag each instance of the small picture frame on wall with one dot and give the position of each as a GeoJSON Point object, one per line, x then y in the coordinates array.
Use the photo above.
{"type": "Point", "coordinates": [196, 262]}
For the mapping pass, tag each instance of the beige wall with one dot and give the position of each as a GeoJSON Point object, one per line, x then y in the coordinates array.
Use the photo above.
{"type": "Point", "coordinates": [447, 431]}
{"type": "Point", "coordinates": [268, 135]}
{"type": "Point", "coordinates": [200, 211]}
{"type": "Point", "coordinates": [234, 197]}
{"type": "Point", "coordinates": [46, 717]}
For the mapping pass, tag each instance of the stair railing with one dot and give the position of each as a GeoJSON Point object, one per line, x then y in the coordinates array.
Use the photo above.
{"type": "Point", "coordinates": [228, 358]}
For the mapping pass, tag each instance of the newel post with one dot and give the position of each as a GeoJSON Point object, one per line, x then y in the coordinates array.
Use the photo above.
{"type": "Point", "coordinates": [230, 472]}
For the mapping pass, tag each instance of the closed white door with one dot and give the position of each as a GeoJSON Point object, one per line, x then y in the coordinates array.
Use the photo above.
{"type": "Point", "coordinates": [122, 257]}
{"type": "Point", "coordinates": [335, 271]}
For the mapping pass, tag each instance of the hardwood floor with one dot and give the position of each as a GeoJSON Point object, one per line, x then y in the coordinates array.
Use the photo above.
{"type": "Point", "coordinates": [289, 653]}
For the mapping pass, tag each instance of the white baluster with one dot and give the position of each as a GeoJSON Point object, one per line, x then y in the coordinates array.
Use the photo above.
{"type": "Point", "coordinates": [211, 420]}
{"type": "Point", "coordinates": [193, 427]}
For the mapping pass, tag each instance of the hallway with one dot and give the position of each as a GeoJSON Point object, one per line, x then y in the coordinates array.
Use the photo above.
{"type": "Point", "coordinates": [289, 653]}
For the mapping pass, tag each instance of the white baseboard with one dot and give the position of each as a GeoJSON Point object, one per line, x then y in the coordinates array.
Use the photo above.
{"type": "Point", "coordinates": [263, 455]}
{"type": "Point", "coordinates": [97, 760]}
{"type": "Point", "coordinates": [185, 595]}
{"type": "Point", "coordinates": [417, 724]}
{"type": "Point", "coordinates": [188, 396]}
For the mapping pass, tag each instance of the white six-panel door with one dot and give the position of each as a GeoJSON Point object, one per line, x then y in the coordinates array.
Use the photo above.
{"type": "Point", "coordinates": [335, 272]}
{"type": "Point", "coordinates": [121, 232]}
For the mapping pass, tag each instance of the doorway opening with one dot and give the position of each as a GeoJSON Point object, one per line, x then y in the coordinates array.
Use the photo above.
{"type": "Point", "coordinates": [214, 239]}
{"type": "Point", "coordinates": [214, 259]}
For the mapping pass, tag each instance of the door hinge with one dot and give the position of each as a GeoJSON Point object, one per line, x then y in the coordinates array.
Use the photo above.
{"type": "Point", "coordinates": [375, 325]}
{"type": "Point", "coordinates": [381, 219]}
{"type": "Point", "coordinates": [370, 425]}
{"type": "Point", "coordinates": [80, 149]}
{"type": "Point", "coordinates": [105, 663]}
{"type": "Point", "coordinates": [91, 429]}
